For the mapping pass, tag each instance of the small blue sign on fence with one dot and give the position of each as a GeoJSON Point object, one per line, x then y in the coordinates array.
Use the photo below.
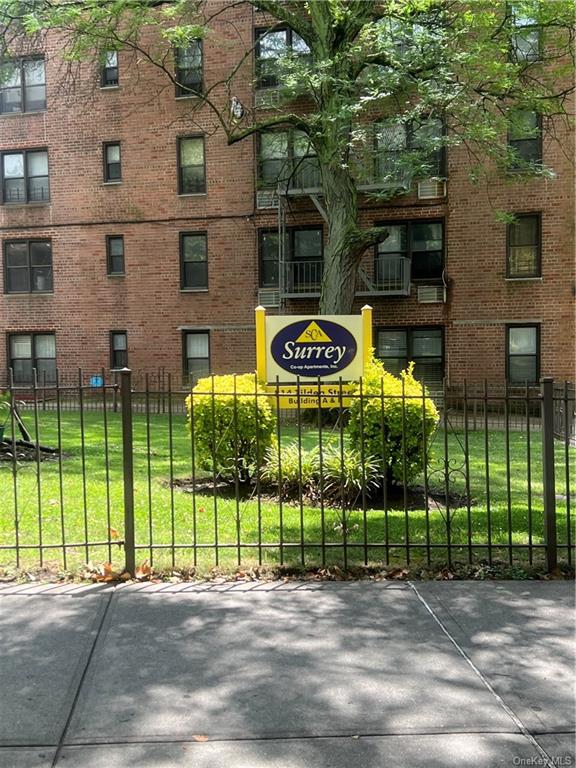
{"type": "Point", "coordinates": [96, 381]}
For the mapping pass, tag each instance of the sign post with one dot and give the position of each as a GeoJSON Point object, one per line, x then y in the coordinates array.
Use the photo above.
{"type": "Point", "coordinates": [312, 361]}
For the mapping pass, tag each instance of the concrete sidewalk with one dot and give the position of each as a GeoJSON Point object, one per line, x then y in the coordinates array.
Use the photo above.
{"type": "Point", "coordinates": [291, 675]}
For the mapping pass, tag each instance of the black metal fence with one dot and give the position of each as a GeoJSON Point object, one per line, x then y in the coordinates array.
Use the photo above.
{"type": "Point", "coordinates": [121, 471]}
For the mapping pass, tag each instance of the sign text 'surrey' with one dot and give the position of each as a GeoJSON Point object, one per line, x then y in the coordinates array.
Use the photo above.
{"type": "Point", "coordinates": [313, 348]}
{"type": "Point", "coordinates": [291, 350]}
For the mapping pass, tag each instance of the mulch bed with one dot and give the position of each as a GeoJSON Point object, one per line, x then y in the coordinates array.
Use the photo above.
{"type": "Point", "coordinates": [415, 497]}
{"type": "Point", "coordinates": [26, 451]}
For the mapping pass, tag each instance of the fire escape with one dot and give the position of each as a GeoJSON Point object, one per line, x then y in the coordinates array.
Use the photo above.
{"type": "Point", "coordinates": [386, 275]}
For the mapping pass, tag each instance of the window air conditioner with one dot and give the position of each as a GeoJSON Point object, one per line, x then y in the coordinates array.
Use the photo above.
{"type": "Point", "coordinates": [431, 189]}
{"type": "Point", "coordinates": [266, 198]}
{"type": "Point", "coordinates": [431, 294]}
{"type": "Point", "coordinates": [269, 297]}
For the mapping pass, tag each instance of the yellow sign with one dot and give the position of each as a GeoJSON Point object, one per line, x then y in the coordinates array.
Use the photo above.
{"type": "Point", "coordinates": [307, 396]}
{"type": "Point", "coordinates": [309, 362]}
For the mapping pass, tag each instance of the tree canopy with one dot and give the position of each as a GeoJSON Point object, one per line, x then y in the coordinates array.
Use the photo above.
{"type": "Point", "coordinates": [370, 91]}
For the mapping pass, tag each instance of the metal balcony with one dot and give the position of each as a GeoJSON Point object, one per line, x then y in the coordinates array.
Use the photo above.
{"type": "Point", "coordinates": [306, 177]}
{"type": "Point", "coordinates": [391, 278]}
{"type": "Point", "coordinates": [302, 278]}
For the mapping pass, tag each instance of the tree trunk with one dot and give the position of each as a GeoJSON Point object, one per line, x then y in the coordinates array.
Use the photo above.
{"type": "Point", "coordinates": [340, 261]}
{"type": "Point", "coordinates": [346, 241]}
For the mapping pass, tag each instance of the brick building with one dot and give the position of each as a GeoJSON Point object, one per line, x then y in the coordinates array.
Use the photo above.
{"type": "Point", "coordinates": [132, 234]}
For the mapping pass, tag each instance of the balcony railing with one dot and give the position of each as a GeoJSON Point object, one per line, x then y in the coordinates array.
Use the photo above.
{"type": "Point", "coordinates": [306, 176]}
{"type": "Point", "coordinates": [391, 278]}
{"type": "Point", "coordinates": [303, 278]}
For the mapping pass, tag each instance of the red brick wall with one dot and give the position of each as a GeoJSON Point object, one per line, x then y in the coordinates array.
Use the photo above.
{"type": "Point", "coordinates": [145, 208]}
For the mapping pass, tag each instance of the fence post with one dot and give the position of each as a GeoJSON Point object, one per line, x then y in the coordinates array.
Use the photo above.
{"type": "Point", "coordinates": [128, 469]}
{"type": "Point", "coordinates": [548, 479]}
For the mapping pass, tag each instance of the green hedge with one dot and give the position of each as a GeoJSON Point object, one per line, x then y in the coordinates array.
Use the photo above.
{"type": "Point", "coordinates": [393, 417]}
{"type": "Point", "coordinates": [234, 425]}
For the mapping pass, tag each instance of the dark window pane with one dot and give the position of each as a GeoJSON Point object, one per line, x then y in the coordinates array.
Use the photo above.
{"type": "Point", "coordinates": [17, 254]}
{"type": "Point", "coordinates": [193, 179]}
{"type": "Point", "coordinates": [396, 242]}
{"type": "Point", "coordinates": [17, 280]}
{"type": "Point", "coordinates": [116, 264]}
{"type": "Point", "coordinates": [195, 274]}
{"type": "Point", "coordinates": [35, 98]}
{"type": "Point", "coordinates": [523, 261]}
{"type": "Point", "coordinates": [46, 371]}
{"type": "Point", "coordinates": [524, 231]}
{"type": "Point", "coordinates": [198, 369]}
{"type": "Point", "coordinates": [307, 244]}
{"type": "Point", "coordinates": [11, 100]}
{"type": "Point", "coordinates": [427, 266]}
{"type": "Point", "coordinates": [427, 236]}
{"type": "Point", "coordinates": [392, 343]}
{"type": "Point", "coordinates": [116, 246]}
{"type": "Point", "coordinates": [38, 189]}
{"type": "Point", "coordinates": [22, 371]}
{"type": "Point", "coordinates": [14, 190]}
{"type": "Point", "coordinates": [194, 247]}
{"type": "Point", "coordinates": [427, 343]}
{"type": "Point", "coordinates": [522, 368]}
{"type": "Point", "coordinates": [45, 345]}
{"type": "Point", "coordinates": [41, 279]}
{"type": "Point", "coordinates": [40, 254]}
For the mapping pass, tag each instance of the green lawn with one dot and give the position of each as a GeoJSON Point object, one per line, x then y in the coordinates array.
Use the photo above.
{"type": "Point", "coordinates": [84, 503]}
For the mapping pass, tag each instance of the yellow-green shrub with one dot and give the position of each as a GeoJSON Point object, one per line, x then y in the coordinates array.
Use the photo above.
{"type": "Point", "coordinates": [393, 433]}
{"type": "Point", "coordinates": [234, 425]}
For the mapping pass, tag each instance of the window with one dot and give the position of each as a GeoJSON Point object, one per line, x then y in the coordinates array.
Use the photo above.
{"type": "Point", "coordinates": [421, 241]}
{"type": "Point", "coordinates": [390, 144]}
{"type": "Point", "coordinates": [269, 263]}
{"type": "Point", "coordinates": [193, 260]}
{"type": "Point", "coordinates": [115, 254]}
{"type": "Point", "coordinates": [304, 257]}
{"type": "Point", "coordinates": [524, 250]}
{"type": "Point", "coordinates": [29, 351]}
{"type": "Point", "coordinates": [22, 86]}
{"type": "Point", "coordinates": [109, 73]}
{"type": "Point", "coordinates": [191, 166]}
{"type": "Point", "coordinates": [287, 156]}
{"type": "Point", "coordinates": [25, 177]}
{"type": "Point", "coordinates": [399, 150]}
{"type": "Point", "coordinates": [523, 353]}
{"type": "Point", "coordinates": [526, 40]}
{"type": "Point", "coordinates": [118, 349]}
{"type": "Point", "coordinates": [525, 138]}
{"type": "Point", "coordinates": [271, 46]}
{"type": "Point", "coordinates": [189, 69]}
{"type": "Point", "coordinates": [28, 266]}
{"type": "Point", "coordinates": [112, 162]}
{"type": "Point", "coordinates": [196, 347]}
{"type": "Point", "coordinates": [397, 347]}
{"type": "Point", "coordinates": [426, 137]}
